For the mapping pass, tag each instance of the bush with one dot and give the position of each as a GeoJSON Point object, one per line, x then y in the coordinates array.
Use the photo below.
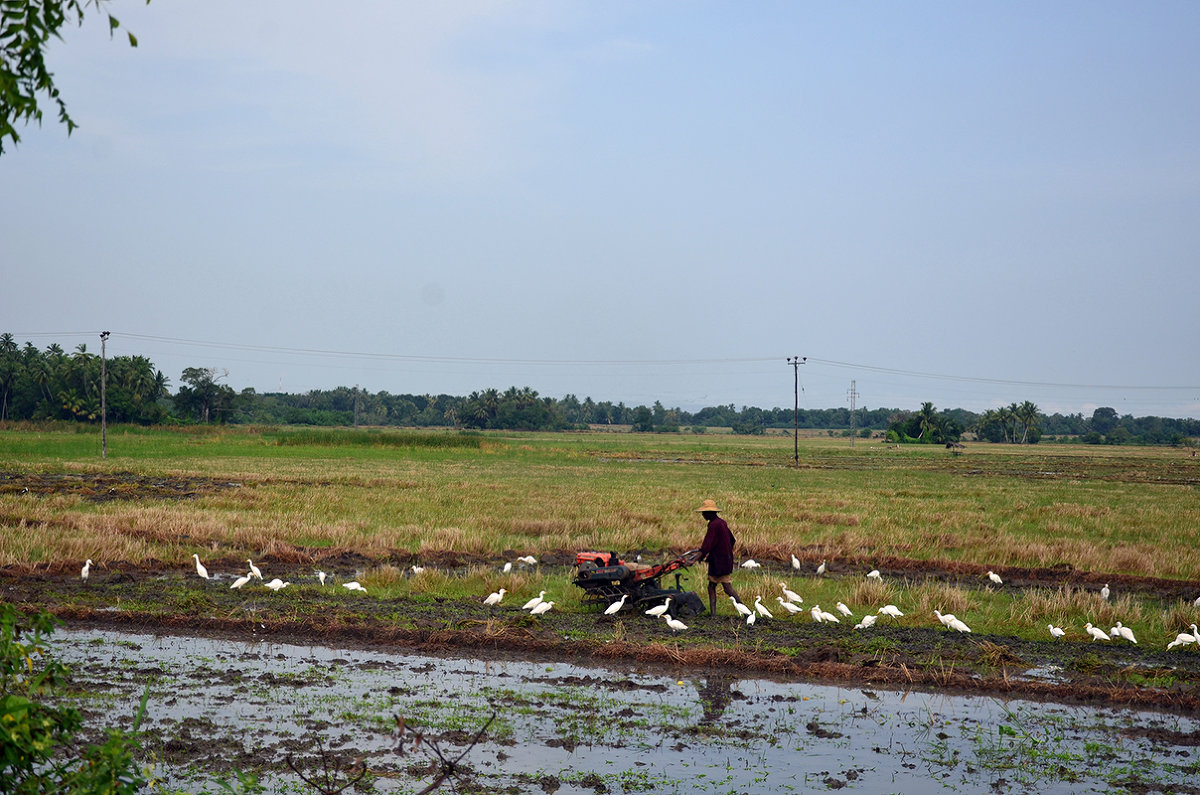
{"type": "Point", "coordinates": [33, 734]}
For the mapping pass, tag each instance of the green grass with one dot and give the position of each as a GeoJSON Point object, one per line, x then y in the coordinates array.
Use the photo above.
{"type": "Point", "coordinates": [280, 491]}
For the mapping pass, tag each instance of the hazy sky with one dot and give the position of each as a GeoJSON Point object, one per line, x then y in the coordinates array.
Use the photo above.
{"type": "Point", "coordinates": [966, 203]}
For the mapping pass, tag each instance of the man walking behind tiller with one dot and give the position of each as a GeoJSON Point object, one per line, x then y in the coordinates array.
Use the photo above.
{"type": "Point", "coordinates": [718, 550]}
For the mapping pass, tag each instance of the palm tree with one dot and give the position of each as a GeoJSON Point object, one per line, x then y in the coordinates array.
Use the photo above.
{"type": "Point", "coordinates": [1029, 414]}
{"type": "Point", "coordinates": [926, 418]}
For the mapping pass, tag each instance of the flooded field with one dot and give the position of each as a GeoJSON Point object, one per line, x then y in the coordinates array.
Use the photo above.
{"type": "Point", "coordinates": [218, 707]}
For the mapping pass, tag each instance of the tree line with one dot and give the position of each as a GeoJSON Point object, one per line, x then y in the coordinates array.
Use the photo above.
{"type": "Point", "coordinates": [51, 384]}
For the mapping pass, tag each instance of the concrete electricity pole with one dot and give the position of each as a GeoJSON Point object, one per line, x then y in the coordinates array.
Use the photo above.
{"type": "Point", "coordinates": [103, 395]}
{"type": "Point", "coordinates": [795, 362]}
{"type": "Point", "coordinates": [853, 395]}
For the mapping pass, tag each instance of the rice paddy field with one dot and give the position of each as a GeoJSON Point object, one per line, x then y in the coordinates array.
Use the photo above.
{"type": "Point", "coordinates": [428, 522]}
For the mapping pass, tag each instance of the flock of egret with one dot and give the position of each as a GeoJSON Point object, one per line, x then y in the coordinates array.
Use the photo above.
{"type": "Point", "coordinates": [788, 601]}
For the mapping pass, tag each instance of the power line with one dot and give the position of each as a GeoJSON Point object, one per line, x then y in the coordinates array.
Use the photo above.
{"type": "Point", "coordinates": [428, 359]}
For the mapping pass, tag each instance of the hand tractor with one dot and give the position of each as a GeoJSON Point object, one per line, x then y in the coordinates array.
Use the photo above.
{"type": "Point", "coordinates": [605, 578]}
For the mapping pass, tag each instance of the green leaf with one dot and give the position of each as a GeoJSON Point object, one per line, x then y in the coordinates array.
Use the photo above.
{"type": "Point", "coordinates": [113, 22]}
{"type": "Point", "coordinates": [132, 40]}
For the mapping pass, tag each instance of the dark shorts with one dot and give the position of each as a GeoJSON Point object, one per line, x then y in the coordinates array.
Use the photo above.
{"type": "Point", "coordinates": [716, 578]}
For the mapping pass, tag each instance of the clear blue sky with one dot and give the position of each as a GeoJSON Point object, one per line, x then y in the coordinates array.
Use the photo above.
{"type": "Point", "coordinates": [966, 203]}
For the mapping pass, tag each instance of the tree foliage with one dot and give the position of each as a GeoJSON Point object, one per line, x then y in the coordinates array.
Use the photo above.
{"type": "Point", "coordinates": [26, 28]}
{"type": "Point", "coordinates": [36, 736]}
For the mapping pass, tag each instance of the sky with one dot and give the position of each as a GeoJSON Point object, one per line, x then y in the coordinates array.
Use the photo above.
{"type": "Point", "coordinates": [971, 204]}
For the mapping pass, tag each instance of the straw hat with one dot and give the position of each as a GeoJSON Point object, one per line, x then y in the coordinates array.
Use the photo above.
{"type": "Point", "coordinates": [709, 505]}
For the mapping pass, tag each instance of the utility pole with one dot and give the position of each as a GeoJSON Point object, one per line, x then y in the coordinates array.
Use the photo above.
{"type": "Point", "coordinates": [853, 395]}
{"type": "Point", "coordinates": [795, 362]}
{"type": "Point", "coordinates": [103, 395]}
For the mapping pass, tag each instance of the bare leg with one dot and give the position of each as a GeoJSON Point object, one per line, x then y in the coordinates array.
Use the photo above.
{"type": "Point", "coordinates": [728, 586]}
{"type": "Point", "coordinates": [712, 598]}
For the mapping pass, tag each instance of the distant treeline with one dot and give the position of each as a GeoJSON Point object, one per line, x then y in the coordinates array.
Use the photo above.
{"type": "Point", "coordinates": [54, 385]}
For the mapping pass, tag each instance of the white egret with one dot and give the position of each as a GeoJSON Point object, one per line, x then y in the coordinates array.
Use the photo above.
{"type": "Point", "coordinates": [240, 581]}
{"type": "Point", "coordinates": [867, 622]}
{"type": "Point", "coordinates": [496, 597]}
{"type": "Point", "coordinates": [791, 595]}
{"type": "Point", "coordinates": [956, 624]}
{"type": "Point", "coordinates": [615, 607]}
{"type": "Point", "coordinates": [254, 569]}
{"type": "Point", "coordinates": [354, 585]}
{"type": "Point", "coordinates": [660, 609]}
{"type": "Point", "coordinates": [795, 563]}
{"type": "Point", "coordinates": [786, 605]}
{"type": "Point", "coordinates": [534, 602]}
{"type": "Point", "coordinates": [83, 574]}
{"type": "Point", "coordinates": [830, 618]}
{"type": "Point", "coordinates": [821, 569]}
{"type": "Point", "coordinates": [542, 609]}
{"type": "Point", "coordinates": [761, 608]}
{"type": "Point", "coordinates": [528, 560]}
{"type": "Point", "coordinates": [890, 610]}
{"type": "Point", "coordinates": [841, 608]}
{"type": "Point", "coordinates": [750, 619]}
{"type": "Point", "coordinates": [817, 616]}
{"type": "Point", "coordinates": [874, 574]}
{"type": "Point", "coordinates": [1104, 592]}
{"type": "Point", "coordinates": [1182, 639]}
{"type": "Point", "coordinates": [321, 577]}
{"type": "Point", "coordinates": [277, 584]}
{"type": "Point", "coordinates": [507, 567]}
{"type": "Point", "coordinates": [1095, 632]}
{"type": "Point", "coordinates": [1056, 632]}
{"type": "Point", "coordinates": [994, 577]}
{"type": "Point", "coordinates": [944, 619]}
{"type": "Point", "coordinates": [674, 623]}
{"type": "Point", "coordinates": [741, 608]}
{"type": "Point", "coordinates": [203, 572]}
{"type": "Point", "coordinates": [1197, 602]}
{"type": "Point", "coordinates": [751, 564]}
{"type": "Point", "coordinates": [1125, 632]}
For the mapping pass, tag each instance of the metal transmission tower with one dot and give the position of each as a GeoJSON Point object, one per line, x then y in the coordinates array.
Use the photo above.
{"type": "Point", "coordinates": [795, 362]}
{"type": "Point", "coordinates": [853, 395]}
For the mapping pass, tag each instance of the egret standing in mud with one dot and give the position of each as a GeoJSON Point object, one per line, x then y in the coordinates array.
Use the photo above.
{"type": "Point", "coordinates": [660, 609]}
{"type": "Point", "coordinates": [751, 564]}
{"type": "Point", "coordinates": [741, 608]}
{"type": "Point", "coordinates": [795, 563]}
{"type": "Point", "coordinates": [615, 607]}
{"type": "Point", "coordinates": [874, 574]}
{"type": "Point", "coordinates": [1056, 632]}
{"type": "Point", "coordinates": [1123, 631]}
{"type": "Point", "coordinates": [995, 578]}
{"type": "Point", "coordinates": [846, 611]}
{"type": "Point", "coordinates": [762, 610]}
{"type": "Point", "coordinates": [1095, 632]}
{"type": "Point", "coordinates": [675, 624]}
{"type": "Point", "coordinates": [203, 572]}
{"type": "Point", "coordinates": [542, 609]}
{"type": "Point", "coordinates": [821, 569]}
{"type": "Point", "coordinates": [494, 599]}
{"type": "Point", "coordinates": [254, 569]}
{"type": "Point", "coordinates": [867, 622]}
{"type": "Point", "coordinates": [890, 610]}
{"type": "Point", "coordinates": [354, 585]}
{"type": "Point", "coordinates": [321, 577]}
{"type": "Point", "coordinates": [528, 560]}
{"type": "Point", "coordinates": [534, 602]}
{"type": "Point", "coordinates": [240, 581]}
{"type": "Point", "coordinates": [83, 574]}
{"type": "Point", "coordinates": [1104, 592]}
{"type": "Point", "coordinates": [277, 584]}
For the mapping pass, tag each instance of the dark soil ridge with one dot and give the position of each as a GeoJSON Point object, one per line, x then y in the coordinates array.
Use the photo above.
{"type": "Point", "coordinates": [913, 570]}
{"type": "Point", "coordinates": [522, 638]}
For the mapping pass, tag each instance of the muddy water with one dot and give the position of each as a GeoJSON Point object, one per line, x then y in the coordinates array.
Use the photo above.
{"type": "Point", "coordinates": [219, 706]}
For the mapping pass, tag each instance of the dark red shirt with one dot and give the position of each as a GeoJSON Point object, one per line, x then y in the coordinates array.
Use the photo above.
{"type": "Point", "coordinates": [718, 548]}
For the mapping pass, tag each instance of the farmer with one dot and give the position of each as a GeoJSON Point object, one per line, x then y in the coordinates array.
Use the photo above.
{"type": "Point", "coordinates": [718, 550]}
